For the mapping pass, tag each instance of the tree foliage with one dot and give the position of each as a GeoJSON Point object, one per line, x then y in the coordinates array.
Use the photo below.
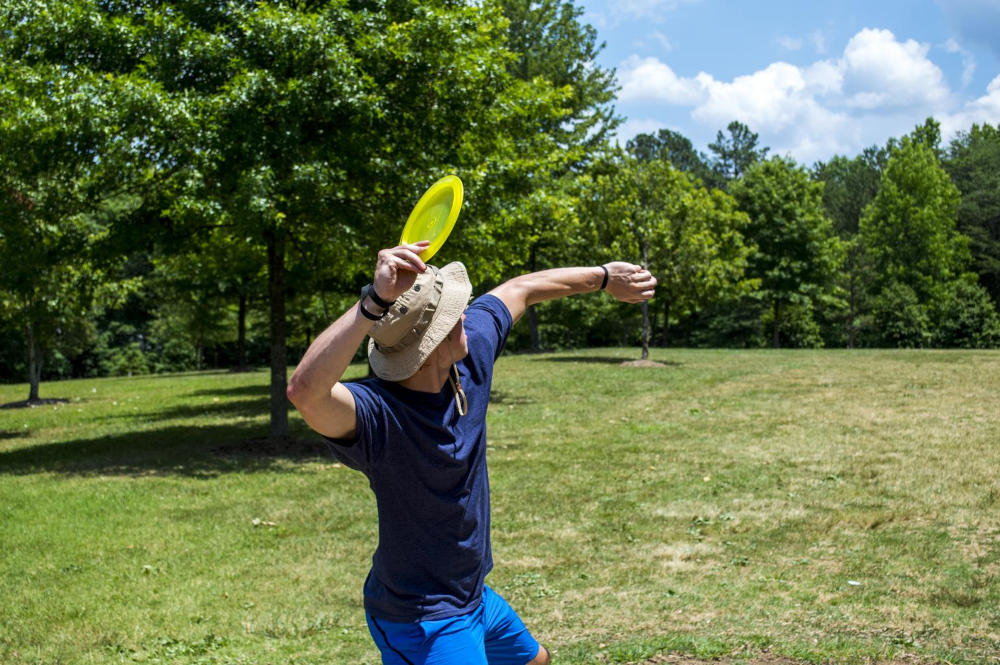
{"type": "Point", "coordinates": [689, 237]}
{"type": "Point", "coordinates": [797, 252]}
{"type": "Point", "coordinates": [736, 151]}
{"type": "Point", "coordinates": [974, 165]}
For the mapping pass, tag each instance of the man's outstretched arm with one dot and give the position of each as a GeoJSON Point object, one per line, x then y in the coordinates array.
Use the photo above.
{"type": "Point", "coordinates": [626, 282]}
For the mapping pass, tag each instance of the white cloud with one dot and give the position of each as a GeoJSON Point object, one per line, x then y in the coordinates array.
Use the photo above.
{"type": "Point", "coordinates": [878, 87]}
{"type": "Point", "coordinates": [983, 110]}
{"type": "Point", "coordinates": [648, 79]}
{"type": "Point", "coordinates": [880, 72]}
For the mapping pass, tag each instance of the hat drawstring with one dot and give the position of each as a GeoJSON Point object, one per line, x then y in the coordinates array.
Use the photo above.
{"type": "Point", "coordinates": [456, 384]}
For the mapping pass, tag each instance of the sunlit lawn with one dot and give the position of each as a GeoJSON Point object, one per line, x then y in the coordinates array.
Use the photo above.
{"type": "Point", "coordinates": [827, 506]}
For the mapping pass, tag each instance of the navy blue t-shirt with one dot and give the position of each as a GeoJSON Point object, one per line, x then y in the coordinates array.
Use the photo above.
{"type": "Point", "coordinates": [427, 468]}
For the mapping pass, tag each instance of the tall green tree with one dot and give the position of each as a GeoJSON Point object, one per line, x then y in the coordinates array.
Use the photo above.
{"type": "Point", "coordinates": [688, 237]}
{"type": "Point", "coordinates": [526, 199]}
{"type": "Point", "coordinates": [910, 228]}
{"type": "Point", "coordinates": [677, 149]}
{"type": "Point", "coordinates": [60, 189]}
{"type": "Point", "coordinates": [797, 251]}
{"type": "Point", "coordinates": [736, 151]}
{"type": "Point", "coordinates": [300, 126]}
{"type": "Point", "coordinates": [974, 166]}
{"type": "Point", "coordinates": [849, 185]}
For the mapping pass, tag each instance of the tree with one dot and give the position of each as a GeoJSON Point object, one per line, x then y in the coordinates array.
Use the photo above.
{"type": "Point", "coordinates": [909, 229]}
{"type": "Point", "coordinates": [849, 185]}
{"type": "Point", "coordinates": [677, 149]}
{"type": "Point", "coordinates": [974, 166]}
{"type": "Point", "coordinates": [688, 237]}
{"type": "Point", "coordinates": [299, 127]}
{"type": "Point", "coordinates": [797, 251]}
{"type": "Point", "coordinates": [567, 114]}
{"type": "Point", "coordinates": [60, 189]}
{"type": "Point", "coordinates": [735, 153]}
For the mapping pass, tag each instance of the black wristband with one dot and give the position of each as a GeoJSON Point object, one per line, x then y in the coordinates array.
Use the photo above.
{"type": "Point", "coordinates": [604, 284]}
{"type": "Point", "coordinates": [368, 292]}
{"type": "Point", "coordinates": [377, 299]}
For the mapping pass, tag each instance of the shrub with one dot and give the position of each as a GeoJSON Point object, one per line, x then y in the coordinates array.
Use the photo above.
{"type": "Point", "coordinates": [966, 318]}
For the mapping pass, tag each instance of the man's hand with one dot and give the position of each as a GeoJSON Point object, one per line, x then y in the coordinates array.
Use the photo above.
{"type": "Point", "coordinates": [396, 269]}
{"type": "Point", "coordinates": [628, 282]}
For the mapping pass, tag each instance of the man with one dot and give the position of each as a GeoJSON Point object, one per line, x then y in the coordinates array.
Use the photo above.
{"type": "Point", "coordinates": [418, 432]}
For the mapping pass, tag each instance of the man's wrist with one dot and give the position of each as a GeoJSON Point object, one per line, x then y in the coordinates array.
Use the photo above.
{"type": "Point", "coordinates": [372, 312]}
{"type": "Point", "coordinates": [604, 278]}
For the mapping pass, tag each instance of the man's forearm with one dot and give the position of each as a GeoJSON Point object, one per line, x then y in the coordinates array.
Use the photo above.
{"type": "Point", "coordinates": [624, 281]}
{"type": "Point", "coordinates": [559, 283]}
{"type": "Point", "coordinates": [329, 356]}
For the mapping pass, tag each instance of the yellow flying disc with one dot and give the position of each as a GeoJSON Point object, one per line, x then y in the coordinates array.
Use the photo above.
{"type": "Point", "coordinates": [434, 216]}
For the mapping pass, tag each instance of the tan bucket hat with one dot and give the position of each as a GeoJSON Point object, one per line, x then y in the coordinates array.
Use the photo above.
{"type": "Point", "coordinates": [419, 320]}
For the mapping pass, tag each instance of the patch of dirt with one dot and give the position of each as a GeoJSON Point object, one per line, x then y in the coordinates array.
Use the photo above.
{"type": "Point", "coordinates": [288, 446]}
{"type": "Point", "coordinates": [642, 363]}
{"type": "Point", "coordinates": [763, 658]}
{"type": "Point", "coordinates": [32, 403]}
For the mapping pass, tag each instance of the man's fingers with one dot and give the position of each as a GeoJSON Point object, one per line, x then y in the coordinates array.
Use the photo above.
{"type": "Point", "coordinates": [417, 247]}
{"type": "Point", "coordinates": [408, 256]}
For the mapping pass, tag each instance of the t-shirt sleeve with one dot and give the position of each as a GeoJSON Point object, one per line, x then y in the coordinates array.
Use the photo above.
{"type": "Point", "coordinates": [488, 322]}
{"type": "Point", "coordinates": [360, 451]}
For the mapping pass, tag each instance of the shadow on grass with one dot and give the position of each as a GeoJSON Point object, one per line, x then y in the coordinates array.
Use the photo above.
{"type": "Point", "coordinates": [508, 397]}
{"type": "Point", "coordinates": [247, 408]}
{"type": "Point", "coordinates": [262, 390]}
{"type": "Point", "coordinates": [205, 451]}
{"type": "Point", "coordinates": [32, 403]}
{"type": "Point", "coordinates": [601, 360]}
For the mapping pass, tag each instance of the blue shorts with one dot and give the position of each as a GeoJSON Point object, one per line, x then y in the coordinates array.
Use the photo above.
{"type": "Point", "coordinates": [492, 634]}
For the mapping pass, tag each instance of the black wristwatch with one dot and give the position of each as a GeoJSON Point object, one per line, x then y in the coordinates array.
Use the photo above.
{"type": "Point", "coordinates": [368, 291]}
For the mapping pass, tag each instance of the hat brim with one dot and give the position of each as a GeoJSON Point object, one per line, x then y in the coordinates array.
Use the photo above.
{"type": "Point", "coordinates": [403, 364]}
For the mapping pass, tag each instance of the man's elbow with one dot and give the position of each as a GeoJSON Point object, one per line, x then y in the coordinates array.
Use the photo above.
{"type": "Point", "coordinates": [297, 390]}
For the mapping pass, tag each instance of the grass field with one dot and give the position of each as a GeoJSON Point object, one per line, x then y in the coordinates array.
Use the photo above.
{"type": "Point", "coordinates": [752, 506]}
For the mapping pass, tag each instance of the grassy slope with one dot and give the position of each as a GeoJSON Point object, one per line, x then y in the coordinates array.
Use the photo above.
{"type": "Point", "coordinates": [823, 505]}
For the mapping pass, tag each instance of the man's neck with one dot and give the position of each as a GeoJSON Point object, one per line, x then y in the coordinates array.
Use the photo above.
{"type": "Point", "coordinates": [429, 379]}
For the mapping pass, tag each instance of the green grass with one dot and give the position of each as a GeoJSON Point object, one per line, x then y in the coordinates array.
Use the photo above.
{"type": "Point", "coordinates": [825, 506]}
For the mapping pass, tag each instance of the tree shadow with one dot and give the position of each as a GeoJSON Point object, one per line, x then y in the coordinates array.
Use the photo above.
{"type": "Point", "coordinates": [32, 403]}
{"type": "Point", "coordinates": [247, 408]}
{"type": "Point", "coordinates": [236, 391]}
{"type": "Point", "coordinates": [13, 434]}
{"type": "Point", "coordinates": [505, 397]}
{"type": "Point", "coordinates": [602, 360]}
{"type": "Point", "coordinates": [193, 451]}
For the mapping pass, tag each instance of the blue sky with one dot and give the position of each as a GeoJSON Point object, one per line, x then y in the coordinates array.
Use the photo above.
{"type": "Point", "coordinates": [814, 79]}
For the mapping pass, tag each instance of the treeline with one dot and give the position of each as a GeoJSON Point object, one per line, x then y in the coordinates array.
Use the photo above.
{"type": "Point", "coordinates": [191, 185]}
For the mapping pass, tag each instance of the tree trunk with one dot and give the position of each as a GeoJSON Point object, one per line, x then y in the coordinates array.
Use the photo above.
{"type": "Point", "coordinates": [241, 335]}
{"type": "Point", "coordinates": [852, 312]}
{"type": "Point", "coordinates": [34, 365]}
{"type": "Point", "coordinates": [536, 342]}
{"type": "Point", "coordinates": [279, 352]}
{"type": "Point", "coordinates": [536, 339]}
{"type": "Point", "coordinates": [645, 309]}
{"type": "Point", "coordinates": [665, 337]}
{"type": "Point", "coordinates": [776, 339]}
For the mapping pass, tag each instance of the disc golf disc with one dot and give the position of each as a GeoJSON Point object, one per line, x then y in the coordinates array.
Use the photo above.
{"type": "Point", "coordinates": [434, 215]}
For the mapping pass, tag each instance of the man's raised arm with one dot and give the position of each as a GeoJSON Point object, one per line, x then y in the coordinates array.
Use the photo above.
{"type": "Point", "coordinates": [315, 388]}
{"type": "Point", "coordinates": [626, 282]}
